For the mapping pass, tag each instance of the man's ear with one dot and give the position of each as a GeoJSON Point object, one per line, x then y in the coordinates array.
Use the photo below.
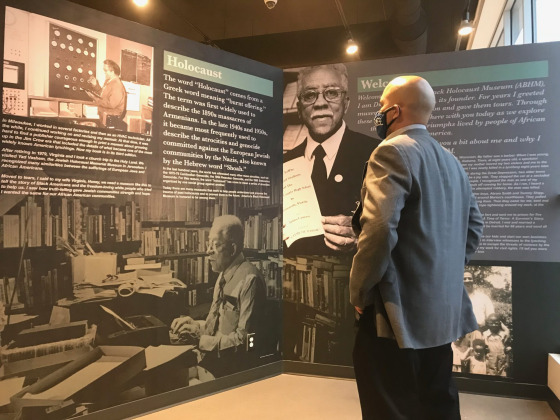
{"type": "Point", "coordinates": [347, 104]}
{"type": "Point", "coordinates": [234, 249]}
{"type": "Point", "coordinates": [398, 111]}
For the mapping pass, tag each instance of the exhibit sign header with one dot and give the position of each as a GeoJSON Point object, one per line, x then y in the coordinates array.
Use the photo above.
{"type": "Point", "coordinates": [211, 72]}
{"type": "Point", "coordinates": [464, 76]}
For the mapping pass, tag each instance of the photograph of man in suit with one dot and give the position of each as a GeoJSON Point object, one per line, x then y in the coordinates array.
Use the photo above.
{"type": "Point", "coordinates": [420, 226]}
{"type": "Point", "coordinates": [237, 304]}
{"type": "Point", "coordinates": [332, 154]}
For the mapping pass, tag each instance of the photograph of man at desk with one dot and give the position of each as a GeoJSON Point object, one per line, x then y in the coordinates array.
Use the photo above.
{"type": "Point", "coordinates": [238, 303]}
{"type": "Point", "coordinates": [159, 304]}
{"type": "Point", "coordinates": [66, 73]}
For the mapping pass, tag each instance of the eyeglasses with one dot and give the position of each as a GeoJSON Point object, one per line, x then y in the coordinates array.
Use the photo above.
{"type": "Point", "coordinates": [214, 246]}
{"type": "Point", "coordinates": [332, 94]}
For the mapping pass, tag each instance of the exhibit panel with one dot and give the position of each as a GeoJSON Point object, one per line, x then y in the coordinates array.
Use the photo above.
{"type": "Point", "coordinates": [153, 247]}
{"type": "Point", "coordinates": [495, 112]}
{"type": "Point", "coordinates": [141, 211]}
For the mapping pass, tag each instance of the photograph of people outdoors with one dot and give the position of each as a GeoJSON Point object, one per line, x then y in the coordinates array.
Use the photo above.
{"type": "Point", "coordinates": [488, 350]}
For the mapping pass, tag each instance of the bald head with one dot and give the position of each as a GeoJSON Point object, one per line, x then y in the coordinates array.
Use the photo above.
{"type": "Point", "coordinates": [415, 99]}
{"type": "Point", "coordinates": [225, 242]}
{"type": "Point", "coordinates": [228, 227]}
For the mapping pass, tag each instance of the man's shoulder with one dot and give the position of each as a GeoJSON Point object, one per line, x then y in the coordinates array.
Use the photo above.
{"type": "Point", "coordinates": [117, 83]}
{"type": "Point", "coordinates": [296, 152]}
{"type": "Point", "coordinates": [360, 140]}
{"type": "Point", "coordinates": [355, 147]}
{"type": "Point", "coordinates": [411, 136]}
{"type": "Point", "coordinates": [416, 139]}
{"type": "Point", "coordinates": [246, 268]}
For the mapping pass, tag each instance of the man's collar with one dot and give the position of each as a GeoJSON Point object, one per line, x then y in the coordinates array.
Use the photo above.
{"type": "Point", "coordinates": [404, 129]}
{"type": "Point", "coordinates": [330, 145]}
{"type": "Point", "coordinates": [228, 272]}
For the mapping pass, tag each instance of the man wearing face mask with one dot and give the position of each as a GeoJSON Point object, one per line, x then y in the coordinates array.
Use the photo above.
{"type": "Point", "coordinates": [332, 154]}
{"type": "Point", "coordinates": [420, 226]}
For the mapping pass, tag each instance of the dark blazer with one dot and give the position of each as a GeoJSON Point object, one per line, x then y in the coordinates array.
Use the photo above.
{"type": "Point", "coordinates": [344, 183]}
{"type": "Point", "coordinates": [420, 226]}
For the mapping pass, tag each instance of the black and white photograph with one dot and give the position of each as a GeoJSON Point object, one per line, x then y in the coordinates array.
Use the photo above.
{"type": "Point", "coordinates": [324, 160]}
{"type": "Point", "coordinates": [488, 350]}
{"type": "Point", "coordinates": [186, 280]}
{"type": "Point", "coordinates": [124, 272]}
{"type": "Point", "coordinates": [316, 100]}
{"type": "Point", "coordinates": [64, 73]}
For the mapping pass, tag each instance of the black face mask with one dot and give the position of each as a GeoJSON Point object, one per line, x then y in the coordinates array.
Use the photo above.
{"type": "Point", "coordinates": [380, 122]}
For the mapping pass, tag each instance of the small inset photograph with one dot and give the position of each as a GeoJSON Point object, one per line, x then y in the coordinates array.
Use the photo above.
{"type": "Point", "coordinates": [489, 349]}
{"type": "Point", "coordinates": [66, 73]}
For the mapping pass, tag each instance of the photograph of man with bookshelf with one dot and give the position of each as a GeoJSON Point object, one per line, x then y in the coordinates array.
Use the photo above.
{"type": "Point", "coordinates": [330, 157]}
{"type": "Point", "coordinates": [238, 303]}
{"type": "Point", "coordinates": [117, 264]}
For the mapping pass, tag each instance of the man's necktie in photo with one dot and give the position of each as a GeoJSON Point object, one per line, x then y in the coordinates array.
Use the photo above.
{"type": "Point", "coordinates": [319, 174]}
{"type": "Point", "coordinates": [212, 323]}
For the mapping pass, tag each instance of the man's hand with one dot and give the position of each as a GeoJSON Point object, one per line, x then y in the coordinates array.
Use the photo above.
{"type": "Point", "coordinates": [92, 81]}
{"type": "Point", "coordinates": [339, 234]}
{"type": "Point", "coordinates": [185, 325]}
{"type": "Point", "coordinates": [359, 310]}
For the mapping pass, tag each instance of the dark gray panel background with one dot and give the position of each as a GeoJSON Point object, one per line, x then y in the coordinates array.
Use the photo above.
{"type": "Point", "coordinates": [548, 142]}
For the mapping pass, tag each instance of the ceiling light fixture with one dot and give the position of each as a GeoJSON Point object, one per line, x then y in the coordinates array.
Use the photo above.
{"type": "Point", "coordinates": [351, 47]}
{"type": "Point", "coordinates": [140, 3]}
{"type": "Point", "coordinates": [466, 25]}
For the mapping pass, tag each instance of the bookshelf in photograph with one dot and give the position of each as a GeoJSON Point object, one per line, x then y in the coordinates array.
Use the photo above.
{"type": "Point", "coordinates": [263, 228]}
{"type": "Point", "coordinates": [40, 234]}
{"type": "Point", "coordinates": [263, 242]}
{"type": "Point", "coordinates": [316, 302]}
{"type": "Point", "coordinates": [180, 247]}
{"type": "Point", "coordinates": [271, 268]}
{"type": "Point", "coordinates": [162, 237]}
{"type": "Point", "coordinates": [294, 130]}
{"type": "Point", "coordinates": [318, 331]}
{"type": "Point", "coordinates": [40, 276]}
{"type": "Point", "coordinates": [319, 284]}
{"type": "Point", "coordinates": [36, 221]}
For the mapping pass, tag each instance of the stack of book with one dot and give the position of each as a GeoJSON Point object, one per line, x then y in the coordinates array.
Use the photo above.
{"type": "Point", "coordinates": [138, 262]}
